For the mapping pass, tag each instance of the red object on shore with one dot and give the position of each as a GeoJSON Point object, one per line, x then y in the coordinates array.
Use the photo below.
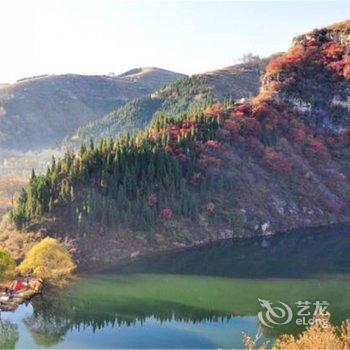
{"type": "Point", "coordinates": [17, 285]}
{"type": "Point", "coordinates": [167, 214]}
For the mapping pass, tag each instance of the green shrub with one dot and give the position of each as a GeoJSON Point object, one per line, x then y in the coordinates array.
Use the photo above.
{"type": "Point", "coordinates": [7, 265]}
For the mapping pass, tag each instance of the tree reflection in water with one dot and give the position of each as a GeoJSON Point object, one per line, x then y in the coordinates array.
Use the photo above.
{"type": "Point", "coordinates": [8, 335]}
{"type": "Point", "coordinates": [213, 284]}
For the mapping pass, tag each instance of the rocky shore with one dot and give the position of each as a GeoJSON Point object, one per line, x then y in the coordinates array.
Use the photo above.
{"type": "Point", "coordinates": [10, 303]}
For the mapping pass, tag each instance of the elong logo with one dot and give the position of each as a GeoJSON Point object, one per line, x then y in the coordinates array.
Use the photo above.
{"type": "Point", "coordinates": [280, 313]}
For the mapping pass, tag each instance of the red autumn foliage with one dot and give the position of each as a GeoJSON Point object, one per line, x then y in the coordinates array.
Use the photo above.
{"type": "Point", "coordinates": [244, 108]}
{"type": "Point", "coordinates": [250, 127]}
{"type": "Point", "coordinates": [333, 50]}
{"type": "Point", "coordinates": [336, 66]}
{"type": "Point", "coordinates": [214, 144]}
{"type": "Point", "coordinates": [239, 114]}
{"type": "Point", "coordinates": [166, 214]}
{"type": "Point", "coordinates": [311, 42]}
{"type": "Point", "coordinates": [316, 148]}
{"type": "Point", "coordinates": [346, 69]}
{"type": "Point", "coordinates": [277, 161]}
{"type": "Point", "coordinates": [294, 57]}
{"type": "Point", "coordinates": [223, 134]}
{"type": "Point", "coordinates": [255, 146]}
{"type": "Point", "coordinates": [299, 134]}
{"type": "Point", "coordinates": [336, 60]}
{"type": "Point", "coordinates": [232, 126]}
{"type": "Point", "coordinates": [343, 139]}
{"type": "Point", "coordinates": [265, 110]}
{"type": "Point", "coordinates": [206, 161]}
{"type": "Point", "coordinates": [288, 114]}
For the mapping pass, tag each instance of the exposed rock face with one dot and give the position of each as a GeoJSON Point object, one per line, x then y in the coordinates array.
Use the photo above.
{"type": "Point", "coordinates": [39, 112]}
{"type": "Point", "coordinates": [313, 77]}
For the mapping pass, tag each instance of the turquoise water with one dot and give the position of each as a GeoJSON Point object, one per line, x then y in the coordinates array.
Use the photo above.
{"type": "Point", "coordinates": [199, 298]}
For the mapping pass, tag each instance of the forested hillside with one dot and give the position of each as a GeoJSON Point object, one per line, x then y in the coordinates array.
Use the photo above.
{"type": "Point", "coordinates": [185, 95]}
{"type": "Point", "coordinates": [59, 104]}
{"type": "Point", "coordinates": [215, 172]}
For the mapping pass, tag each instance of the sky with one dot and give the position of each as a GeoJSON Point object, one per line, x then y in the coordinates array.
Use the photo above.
{"type": "Point", "coordinates": [103, 36]}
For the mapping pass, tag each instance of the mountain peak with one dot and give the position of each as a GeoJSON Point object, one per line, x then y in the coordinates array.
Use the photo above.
{"type": "Point", "coordinates": [343, 26]}
{"type": "Point", "coordinates": [337, 32]}
{"type": "Point", "coordinates": [313, 76]}
{"type": "Point", "coordinates": [143, 71]}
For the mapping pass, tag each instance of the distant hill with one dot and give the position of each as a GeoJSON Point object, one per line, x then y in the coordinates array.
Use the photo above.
{"type": "Point", "coordinates": [151, 76]}
{"type": "Point", "coordinates": [40, 111]}
{"type": "Point", "coordinates": [189, 93]}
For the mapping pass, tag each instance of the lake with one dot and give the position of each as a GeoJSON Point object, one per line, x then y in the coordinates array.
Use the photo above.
{"type": "Point", "coordinates": [200, 298]}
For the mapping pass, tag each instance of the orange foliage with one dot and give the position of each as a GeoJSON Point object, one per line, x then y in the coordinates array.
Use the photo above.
{"type": "Point", "coordinates": [244, 108]}
{"type": "Point", "coordinates": [215, 110]}
{"type": "Point", "coordinates": [277, 160]}
{"type": "Point", "coordinates": [311, 42]}
{"type": "Point", "coordinates": [346, 69]}
{"type": "Point", "coordinates": [336, 66]}
{"type": "Point", "coordinates": [333, 50]}
{"type": "Point", "coordinates": [264, 110]}
{"type": "Point", "coordinates": [214, 145]}
{"type": "Point", "coordinates": [316, 148]}
{"type": "Point", "coordinates": [293, 57]}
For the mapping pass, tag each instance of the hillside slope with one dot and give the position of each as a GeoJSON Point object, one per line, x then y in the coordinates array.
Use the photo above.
{"type": "Point", "coordinates": [38, 112]}
{"type": "Point", "coordinates": [242, 169]}
{"type": "Point", "coordinates": [185, 95]}
{"type": "Point", "coordinates": [313, 77]}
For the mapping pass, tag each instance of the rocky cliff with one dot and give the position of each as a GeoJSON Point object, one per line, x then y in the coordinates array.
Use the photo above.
{"type": "Point", "coordinates": [313, 77]}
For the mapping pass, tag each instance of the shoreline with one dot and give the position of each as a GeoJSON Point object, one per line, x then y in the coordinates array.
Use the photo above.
{"type": "Point", "coordinates": [154, 253]}
{"type": "Point", "coordinates": [25, 294]}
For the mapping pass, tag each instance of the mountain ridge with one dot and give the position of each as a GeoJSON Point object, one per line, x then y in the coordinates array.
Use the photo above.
{"type": "Point", "coordinates": [61, 103]}
{"type": "Point", "coordinates": [236, 81]}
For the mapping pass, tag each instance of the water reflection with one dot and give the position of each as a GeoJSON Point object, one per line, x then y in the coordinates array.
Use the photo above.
{"type": "Point", "coordinates": [199, 298]}
{"type": "Point", "coordinates": [8, 335]}
{"type": "Point", "coordinates": [298, 253]}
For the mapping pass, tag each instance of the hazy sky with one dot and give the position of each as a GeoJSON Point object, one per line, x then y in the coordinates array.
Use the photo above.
{"type": "Point", "coordinates": [102, 36]}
